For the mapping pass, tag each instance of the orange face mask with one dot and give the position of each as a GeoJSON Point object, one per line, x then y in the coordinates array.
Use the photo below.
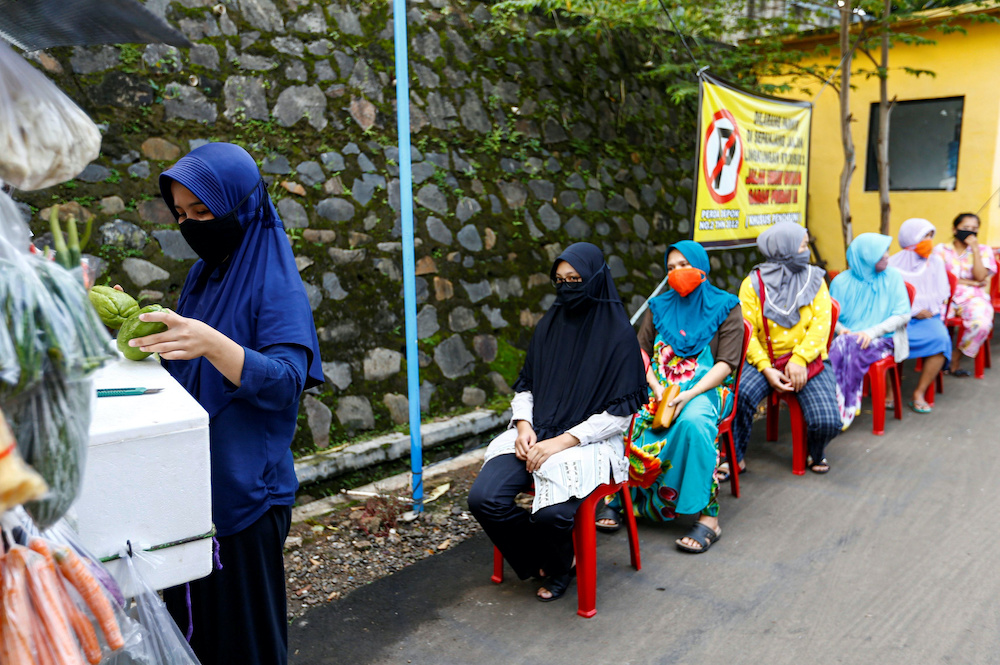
{"type": "Point", "coordinates": [924, 247]}
{"type": "Point", "coordinates": [685, 280]}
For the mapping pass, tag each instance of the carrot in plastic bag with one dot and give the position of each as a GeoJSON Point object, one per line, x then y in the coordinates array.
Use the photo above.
{"type": "Point", "coordinates": [76, 572]}
{"type": "Point", "coordinates": [49, 604]}
{"type": "Point", "coordinates": [16, 636]}
{"type": "Point", "coordinates": [81, 624]}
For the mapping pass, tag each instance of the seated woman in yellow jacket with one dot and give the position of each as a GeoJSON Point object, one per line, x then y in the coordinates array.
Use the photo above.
{"type": "Point", "coordinates": [797, 307]}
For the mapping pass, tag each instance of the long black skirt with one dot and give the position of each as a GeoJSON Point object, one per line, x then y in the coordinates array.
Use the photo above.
{"type": "Point", "coordinates": [238, 613]}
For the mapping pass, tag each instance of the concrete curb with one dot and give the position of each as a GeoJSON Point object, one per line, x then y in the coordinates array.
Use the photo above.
{"type": "Point", "coordinates": [400, 481]}
{"type": "Point", "coordinates": [352, 457]}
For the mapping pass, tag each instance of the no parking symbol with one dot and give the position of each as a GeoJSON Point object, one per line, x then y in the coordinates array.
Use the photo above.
{"type": "Point", "coordinates": [722, 156]}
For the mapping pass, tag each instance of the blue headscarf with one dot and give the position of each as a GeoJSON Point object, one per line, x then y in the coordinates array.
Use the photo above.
{"type": "Point", "coordinates": [688, 324]}
{"type": "Point", "coordinates": [256, 298]}
{"type": "Point", "coordinates": [868, 297]}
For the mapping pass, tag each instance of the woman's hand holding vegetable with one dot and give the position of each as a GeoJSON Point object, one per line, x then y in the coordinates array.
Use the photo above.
{"type": "Point", "coordinates": [526, 438]}
{"type": "Point", "coordinates": [543, 450]}
{"type": "Point", "coordinates": [187, 339]}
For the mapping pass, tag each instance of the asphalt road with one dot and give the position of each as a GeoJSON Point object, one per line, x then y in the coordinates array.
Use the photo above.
{"type": "Point", "coordinates": [890, 558]}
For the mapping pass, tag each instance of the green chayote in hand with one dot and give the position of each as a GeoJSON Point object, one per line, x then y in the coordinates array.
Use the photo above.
{"type": "Point", "coordinates": [133, 328]}
{"type": "Point", "coordinates": [113, 306]}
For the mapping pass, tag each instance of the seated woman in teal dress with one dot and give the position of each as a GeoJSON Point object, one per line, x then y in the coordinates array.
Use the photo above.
{"type": "Point", "coordinates": [693, 334]}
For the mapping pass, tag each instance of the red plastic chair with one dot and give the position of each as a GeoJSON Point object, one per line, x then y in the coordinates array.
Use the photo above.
{"type": "Point", "coordinates": [875, 383]}
{"type": "Point", "coordinates": [585, 542]}
{"type": "Point", "coordinates": [800, 444]}
{"type": "Point", "coordinates": [726, 425]}
{"type": "Point", "coordinates": [984, 358]}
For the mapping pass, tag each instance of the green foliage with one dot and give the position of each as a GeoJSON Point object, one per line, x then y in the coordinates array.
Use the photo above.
{"type": "Point", "coordinates": [508, 361]}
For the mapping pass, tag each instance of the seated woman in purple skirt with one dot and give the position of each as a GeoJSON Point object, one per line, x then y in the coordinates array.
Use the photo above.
{"type": "Point", "coordinates": [874, 311]}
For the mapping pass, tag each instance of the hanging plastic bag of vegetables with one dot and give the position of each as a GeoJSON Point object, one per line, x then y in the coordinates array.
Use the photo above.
{"type": "Point", "coordinates": [52, 340]}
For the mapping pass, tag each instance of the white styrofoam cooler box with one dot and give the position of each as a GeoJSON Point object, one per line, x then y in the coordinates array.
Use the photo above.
{"type": "Point", "coordinates": [148, 475]}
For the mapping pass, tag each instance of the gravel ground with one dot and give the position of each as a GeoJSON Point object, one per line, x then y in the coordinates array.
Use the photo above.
{"type": "Point", "coordinates": [327, 557]}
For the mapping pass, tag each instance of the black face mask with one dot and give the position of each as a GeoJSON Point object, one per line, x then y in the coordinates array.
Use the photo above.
{"type": "Point", "coordinates": [215, 240]}
{"type": "Point", "coordinates": [962, 235]}
{"type": "Point", "coordinates": [571, 294]}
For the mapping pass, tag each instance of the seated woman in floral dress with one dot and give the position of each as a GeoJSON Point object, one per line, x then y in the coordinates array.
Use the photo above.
{"type": "Point", "coordinates": [874, 311]}
{"type": "Point", "coordinates": [693, 334]}
{"type": "Point", "coordinates": [581, 383]}
{"type": "Point", "coordinates": [974, 266]}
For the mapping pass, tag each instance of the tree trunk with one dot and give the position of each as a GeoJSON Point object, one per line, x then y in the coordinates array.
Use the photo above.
{"type": "Point", "coordinates": [883, 124]}
{"type": "Point", "coordinates": [845, 123]}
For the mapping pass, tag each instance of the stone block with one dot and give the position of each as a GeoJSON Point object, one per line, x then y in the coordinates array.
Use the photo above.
{"type": "Point", "coordinates": [494, 316]}
{"type": "Point", "coordinates": [142, 272]}
{"type": "Point", "coordinates": [443, 289]}
{"type": "Point", "coordinates": [332, 287]}
{"type": "Point", "coordinates": [355, 413]}
{"type": "Point", "coordinates": [319, 417]}
{"type": "Point", "coordinates": [399, 408]}
{"type": "Point", "coordinates": [335, 209]}
{"type": "Point", "coordinates": [486, 347]}
{"type": "Point", "coordinates": [381, 363]}
{"type": "Point", "coordinates": [452, 358]}
{"type": "Point", "coordinates": [477, 290]}
{"type": "Point", "coordinates": [427, 322]}
{"type": "Point", "coordinates": [338, 374]}
{"type": "Point", "coordinates": [299, 101]}
{"type": "Point", "coordinates": [173, 245]}
{"type": "Point", "coordinates": [472, 396]}
{"type": "Point", "coordinates": [160, 149]}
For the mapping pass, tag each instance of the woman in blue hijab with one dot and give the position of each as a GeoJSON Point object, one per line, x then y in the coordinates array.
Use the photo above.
{"type": "Point", "coordinates": [693, 334]}
{"type": "Point", "coordinates": [580, 384]}
{"type": "Point", "coordinates": [874, 311]}
{"type": "Point", "coordinates": [243, 343]}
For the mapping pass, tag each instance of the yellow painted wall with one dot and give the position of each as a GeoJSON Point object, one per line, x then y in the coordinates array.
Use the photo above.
{"type": "Point", "coordinates": [965, 65]}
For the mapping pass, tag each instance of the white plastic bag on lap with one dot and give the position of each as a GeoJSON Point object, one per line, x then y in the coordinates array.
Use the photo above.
{"type": "Point", "coordinates": [45, 138]}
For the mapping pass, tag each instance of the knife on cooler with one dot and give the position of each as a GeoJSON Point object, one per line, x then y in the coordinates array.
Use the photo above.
{"type": "Point", "coordinates": [125, 392]}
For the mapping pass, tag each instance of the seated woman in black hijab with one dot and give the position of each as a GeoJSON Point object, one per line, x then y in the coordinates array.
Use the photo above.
{"type": "Point", "coordinates": [582, 380]}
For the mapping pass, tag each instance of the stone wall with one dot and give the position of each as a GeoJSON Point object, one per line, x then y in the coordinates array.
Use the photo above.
{"type": "Point", "coordinates": [523, 144]}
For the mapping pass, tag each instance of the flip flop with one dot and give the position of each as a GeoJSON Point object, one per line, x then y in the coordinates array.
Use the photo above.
{"type": "Point", "coordinates": [701, 534]}
{"type": "Point", "coordinates": [918, 409]}
{"type": "Point", "coordinates": [821, 463]}
{"type": "Point", "coordinates": [606, 512]}
{"type": "Point", "coordinates": [958, 373]}
{"type": "Point", "coordinates": [557, 586]}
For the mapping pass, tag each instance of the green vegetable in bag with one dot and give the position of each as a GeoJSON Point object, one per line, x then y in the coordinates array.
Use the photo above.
{"type": "Point", "coordinates": [112, 305]}
{"type": "Point", "coordinates": [133, 328]}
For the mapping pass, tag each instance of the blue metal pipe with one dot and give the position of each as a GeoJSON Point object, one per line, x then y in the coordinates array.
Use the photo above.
{"type": "Point", "coordinates": [409, 271]}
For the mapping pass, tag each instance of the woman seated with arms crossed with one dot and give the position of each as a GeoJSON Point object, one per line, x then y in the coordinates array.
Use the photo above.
{"type": "Point", "coordinates": [974, 266]}
{"type": "Point", "coordinates": [928, 337]}
{"type": "Point", "coordinates": [797, 308]}
{"type": "Point", "coordinates": [694, 335]}
{"type": "Point", "coordinates": [874, 311]}
{"type": "Point", "coordinates": [582, 380]}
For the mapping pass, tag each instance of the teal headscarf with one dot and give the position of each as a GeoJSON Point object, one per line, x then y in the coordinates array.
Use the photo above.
{"type": "Point", "coordinates": [867, 297]}
{"type": "Point", "coordinates": [688, 324]}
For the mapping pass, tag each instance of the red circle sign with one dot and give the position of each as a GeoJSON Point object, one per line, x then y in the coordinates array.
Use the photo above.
{"type": "Point", "coordinates": [722, 156]}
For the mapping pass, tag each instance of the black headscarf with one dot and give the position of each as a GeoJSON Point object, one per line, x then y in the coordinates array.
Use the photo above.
{"type": "Point", "coordinates": [584, 357]}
